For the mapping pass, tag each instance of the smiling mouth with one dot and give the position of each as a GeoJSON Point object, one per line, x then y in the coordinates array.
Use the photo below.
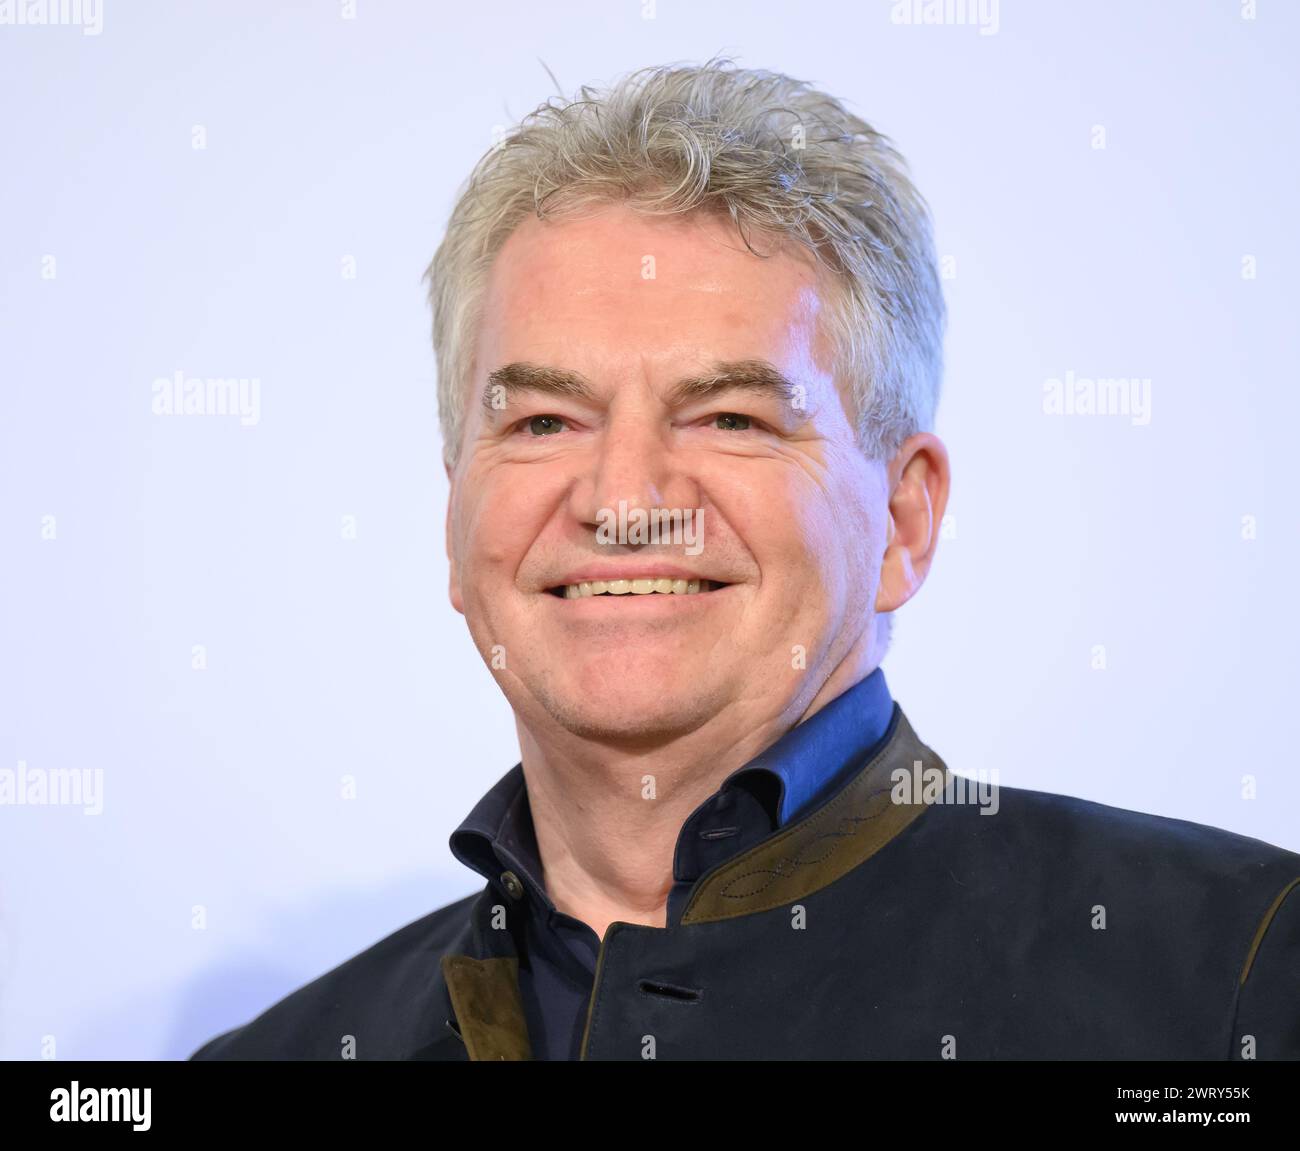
{"type": "Point", "coordinates": [636, 587]}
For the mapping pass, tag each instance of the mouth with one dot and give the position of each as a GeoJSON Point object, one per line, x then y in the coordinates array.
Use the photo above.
{"type": "Point", "coordinates": [640, 586]}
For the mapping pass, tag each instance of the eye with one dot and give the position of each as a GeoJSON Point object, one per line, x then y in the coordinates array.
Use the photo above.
{"type": "Point", "coordinates": [732, 421]}
{"type": "Point", "coordinates": [544, 425]}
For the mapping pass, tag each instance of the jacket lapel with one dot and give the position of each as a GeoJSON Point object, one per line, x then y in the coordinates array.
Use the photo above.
{"type": "Point", "coordinates": [489, 1010]}
{"type": "Point", "coordinates": [484, 1012]}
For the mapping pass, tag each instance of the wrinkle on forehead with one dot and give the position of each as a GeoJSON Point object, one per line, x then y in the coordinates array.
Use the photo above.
{"type": "Point", "coordinates": [558, 285]}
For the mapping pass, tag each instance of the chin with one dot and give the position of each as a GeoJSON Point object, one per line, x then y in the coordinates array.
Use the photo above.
{"type": "Point", "coordinates": [630, 713]}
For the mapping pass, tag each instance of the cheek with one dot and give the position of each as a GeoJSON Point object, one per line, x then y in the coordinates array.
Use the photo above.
{"type": "Point", "coordinates": [495, 527]}
{"type": "Point", "coordinates": [804, 530]}
{"type": "Point", "coordinates": [827, 546]}
{"type": "Point", "coordinates": [486, 572]}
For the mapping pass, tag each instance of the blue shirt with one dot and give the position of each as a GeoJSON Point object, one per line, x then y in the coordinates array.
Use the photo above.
{"type": "Point", "coordinates": [805, 768]}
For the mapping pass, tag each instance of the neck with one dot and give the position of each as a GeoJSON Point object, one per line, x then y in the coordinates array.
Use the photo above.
{"type": "Point", "coordinates": [607, 817]}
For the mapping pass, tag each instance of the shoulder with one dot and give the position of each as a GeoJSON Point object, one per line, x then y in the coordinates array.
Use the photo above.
{"type": "Point", "coordinates": [375, 996]}
{"type": "Point", "coordinates": [1187, 913]}
{"type": "Point", "coordinates": [1100, 837]}
{"type": "Point", "coordinates": [1171, 894]}
{"type": "Point", "coordinates": [1069, 843]}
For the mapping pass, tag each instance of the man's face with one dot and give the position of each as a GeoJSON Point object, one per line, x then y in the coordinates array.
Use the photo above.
{"type": "Point", "coordinates": [791, 517]}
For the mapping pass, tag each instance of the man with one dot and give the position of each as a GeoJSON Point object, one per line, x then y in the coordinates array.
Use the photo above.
{"type": "Point", "coordinates": [689, 346]}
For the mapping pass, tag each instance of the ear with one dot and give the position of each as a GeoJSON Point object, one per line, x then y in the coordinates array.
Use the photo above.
{"type": "Point", "coordinates": [919, 476]}
{"type": "Point", "coordinates": [452, 566]}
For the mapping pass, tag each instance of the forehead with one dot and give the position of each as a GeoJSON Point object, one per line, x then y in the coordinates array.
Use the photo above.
{"type": "Point", "coordinates": [615, 284]}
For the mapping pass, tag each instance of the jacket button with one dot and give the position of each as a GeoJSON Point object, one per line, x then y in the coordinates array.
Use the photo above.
{"type": "Point", "coordinates": [513, 887]}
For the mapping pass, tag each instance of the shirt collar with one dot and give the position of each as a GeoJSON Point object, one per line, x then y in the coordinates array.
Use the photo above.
{"type": "Point", "coordinates": [803, 767]}
{"type": "Point", "coordinates": [812, 755]}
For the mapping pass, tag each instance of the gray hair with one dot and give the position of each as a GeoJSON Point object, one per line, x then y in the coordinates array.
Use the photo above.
{"type": "Point", "coordinates": [777, 156]}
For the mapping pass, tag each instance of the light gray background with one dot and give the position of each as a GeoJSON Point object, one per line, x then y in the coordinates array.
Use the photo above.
{"type": "Point", "coordinates": [330, 137]}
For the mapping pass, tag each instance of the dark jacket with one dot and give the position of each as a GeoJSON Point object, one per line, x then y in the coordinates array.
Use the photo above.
{"type": "Point", "coordinates": [887, 923]}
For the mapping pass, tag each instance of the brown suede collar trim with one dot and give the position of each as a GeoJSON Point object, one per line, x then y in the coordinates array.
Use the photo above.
{"type": "Point", "coordinates": [830, 841]}
{"type": "Point", "coordinates": [489, 1010]}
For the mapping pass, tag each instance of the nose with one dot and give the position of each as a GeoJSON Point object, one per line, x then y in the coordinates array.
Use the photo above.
{"type": "Point", "coordinates": [632, 461]}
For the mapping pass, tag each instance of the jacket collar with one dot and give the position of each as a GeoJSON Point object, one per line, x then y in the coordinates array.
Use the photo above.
{"type": "Point", "coordinates": [889, 791]}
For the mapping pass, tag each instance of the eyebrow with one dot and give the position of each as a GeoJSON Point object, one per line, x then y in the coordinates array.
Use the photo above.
{"type": "Point", "coordinates": [756, 376]}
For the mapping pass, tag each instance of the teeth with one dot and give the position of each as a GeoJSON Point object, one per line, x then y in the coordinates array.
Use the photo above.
{"type": "Point", "coordinates": [654, 586]}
